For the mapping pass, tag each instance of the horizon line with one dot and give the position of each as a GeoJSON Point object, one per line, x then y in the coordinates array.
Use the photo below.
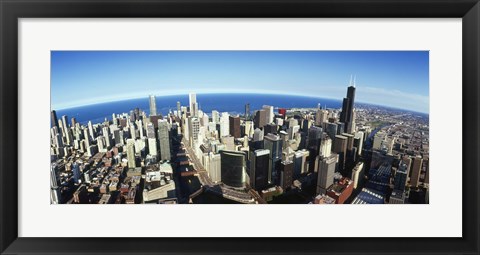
{"type": "Point", "coordinates": [234, 92]}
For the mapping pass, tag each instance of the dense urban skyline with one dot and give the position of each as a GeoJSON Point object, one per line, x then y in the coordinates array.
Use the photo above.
{"type": "Point", "coordinates": [396, 79]}
{"type": "Point", "coordinates": [269, 155]}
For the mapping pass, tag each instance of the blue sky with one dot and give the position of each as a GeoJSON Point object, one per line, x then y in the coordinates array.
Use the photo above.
{"type": "Point", "coordinates": [392, 78]}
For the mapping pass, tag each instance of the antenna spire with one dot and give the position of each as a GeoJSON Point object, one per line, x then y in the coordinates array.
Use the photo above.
{"type": "Point", "coordinates": [354, 78]}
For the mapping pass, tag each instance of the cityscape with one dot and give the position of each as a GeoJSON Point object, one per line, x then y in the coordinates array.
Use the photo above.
{"type": "Point", "coordinates": [344, 144]}
{"type": "Point", "coordinates": [355, 154]}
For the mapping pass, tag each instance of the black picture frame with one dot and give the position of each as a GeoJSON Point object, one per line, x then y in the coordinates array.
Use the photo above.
{"type": "Point", "coordinates": [11, 11]}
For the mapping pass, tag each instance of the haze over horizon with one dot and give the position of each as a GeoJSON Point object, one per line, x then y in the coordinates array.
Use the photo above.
{"type": "Point", "coordinates": [397, 79]}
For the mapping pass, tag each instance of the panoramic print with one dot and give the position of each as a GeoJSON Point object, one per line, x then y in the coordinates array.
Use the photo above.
{"type": "Point", "coordinates": [239, 127]}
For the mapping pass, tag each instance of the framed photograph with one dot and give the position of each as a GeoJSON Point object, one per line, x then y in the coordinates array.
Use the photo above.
{"type": "Point", "coordinates": [167, 127]}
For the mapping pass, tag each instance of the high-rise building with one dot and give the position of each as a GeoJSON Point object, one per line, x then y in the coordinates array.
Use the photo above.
{"type": "Point", "coordinates": [179, 109]}
{"type": "Point", "coordinates": [247, 111]}
{"type": "Point", "coordinates": [269, 115]}
{"type": "Point", "coordinates": [273, 143]}
{"type": "Point", "coordinates": [378, 139]}
{"type": "Point", "coordinates": [326, 171]}
{"type": "Point", "coordinates": [346, 116]}
{"type": "Point", "coordinates": [54, 119]}
{"type": "Point", "coordinates": [286, 174]}
{"type": "Point", "coordinates": [325, 146]}
{"type": "Point", "coordinates": [260, 118]}
{"type": "Point", "coordinates": [340, 147]}
{"type": "Point", "coordinates": [224, 124]}
{"type": "Point", "coordinates": [416, 168]}
{"type": "Point", "coordinates": [332, 130]}
{"type": "Point", "coordinates": [215, 116]}
{"type": "Point", "coordinates": [314, 138]}
{"type": "Point", "coordinates": [164, 140]}
{"type": "Point", "coordinates": [321, 117]}
{"type": "Point", "coordinates": [152, 146]}
{"type": "Point", "coordinates": [150, 131]}
{"type": "Point", "coordinates": [192, 99]}
{"type": "Point", "coordinates": [358, 142]}
{"type": "Point", "coordinates": [259, 168]}
{"type": "Point", "coordinates": [214, 167]}
{"type": "Point", "coordinates": [153, 106]}
{"type": "Point", "coordinates": [401, 175]}
{"type": "Point", "coordinates": [76, 172]}
{"type": "Point", "coordinates": [194, 128]}
{"type": "Point", "coordinates": [64, 124]}
{"type": "Point", "coordinates": [131, 153]}
{"type": "Point", "coordinates": [234, 125]}
{"type": "Point", "coordinates": [358, 175]}
{"type": "Point", "coordinates": [233, 168]}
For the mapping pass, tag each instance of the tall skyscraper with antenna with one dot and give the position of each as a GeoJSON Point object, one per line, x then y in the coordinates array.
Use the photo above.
{"type": "Point", "coordinates": [346, 115]}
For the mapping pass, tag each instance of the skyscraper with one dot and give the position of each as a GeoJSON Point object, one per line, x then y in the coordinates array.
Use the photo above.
{"type": "Point", "coordinates": [233, 168]}
{"type": "Point", "coordinates": [192, 99]}
{"type": "Point", "coordinates": [179, 109]}
{"type": "Point", "coordinates": [401, 174]}
{"type": "Point", "coordinates": [326, 172]}
{"type": "Point", "coordinates": [131, 153]}
{"type": "Point", "coordinates": [54, 119]}
{"type": "Point", "coordinates": [340, 147]}
{"type": "Point", "coordinates": [346, 115]}
{"type": "Point", "coordinates": [65, 123]}
{"type": "Point", "coordinates": [164, 140]}
{"type": "Point", "coordinates": [153, 106]}
{"type": "Point", "coordinates": [273, 143]}
{"type": "Point", "coordinates": [259, 168]}
{"type": "Point", "coordinates": [286, 174]}
{"type": "Point", "coordinates": [260, 119]}
{"type": "Point", "coordinates": [224, 124]}
{"type": "Point", "coordinates": [234, 125]}
{"type": "Point", "coordinates": [152, 146]}
{"type": "Point", "coordinates": [269, 115]}
{"type": "Point", "coordinates": [247, 111]}
{"type": "Point", "coordinates": [416, 168]}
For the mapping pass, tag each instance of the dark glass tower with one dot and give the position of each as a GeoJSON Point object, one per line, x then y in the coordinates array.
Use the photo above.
{"type": "Point", "coordinates": [247, 111]}
{"type": "Point", "coordinates": [54, 119]}
{"type": "Point", "coordinates": [347, 109]}
{"type": "Point", "coordinates": [233, 168]}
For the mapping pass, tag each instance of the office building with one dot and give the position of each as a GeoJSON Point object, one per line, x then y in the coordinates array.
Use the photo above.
{"type": "Point", "coordinates": [152, 146]}
{"type": "Point", "coordinates": [164, 139]}
{"type": "Point", "coordinates": [269, 115]}
{"type": "Point", "coordinates": [314, 138]}
{"type": "Point", "coordinates": [247, 111]}
{"type": "Point", "coordinates": [286, 174]}
{"type": "Point", "coordinates": [346, 115]}
{"type": "Point", "coordinates": [224, 124]}
{"type": "Point", "coordinates": [259, 169]}
{"type": "Point", "coordinates": [358, 175]}
{"type": "Point", "coordinates": [273, 143]}
{"type": "Point", "coordinates": [179, 109]}
{"type": "Point", "coordinates": [416, 168]}
{"type": "Point", "coordinates": [234, 126]}
{"type": "Point", "coordinates": [340, 147]}
{"type": "Point", "coordinates": [401, 175]}
{"type": "Point", "coordinates": [260, 119]}
{"type": "Point", "coordinates": [153, 106]}
{"type": "Point", "coordinates": [192, 99]}
{"type": "Point", "coordinates": [332, 130]}
{"type": "Point", "coordinates": [326, 171]}
{"type": "Point", "coordinates": [131, 153]}
{"type": "Point", "coordinates": [214, 167]}
{"type": "Point", "coordinates": [54, 119]}
{"type": "Point", "coordinates": [321, 117]}
{"type": "Point", "coordinates": [233, 168]}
